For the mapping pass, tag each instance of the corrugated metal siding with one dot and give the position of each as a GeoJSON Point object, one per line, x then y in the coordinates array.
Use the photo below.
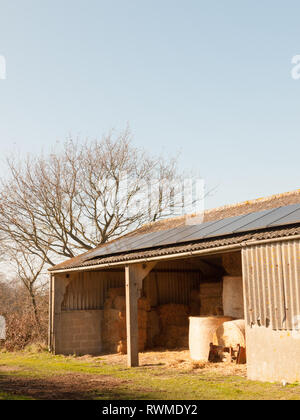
{"type": "Point", "coordinates": [88, 290]}
{"type": "Point", "coordinates": [271, 274]}
{"type": "Point", "coordinates": [171, 284]}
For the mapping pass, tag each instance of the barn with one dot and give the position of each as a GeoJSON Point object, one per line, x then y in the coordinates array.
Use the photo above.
{"type": "Point", "coordinates": [141, 290]}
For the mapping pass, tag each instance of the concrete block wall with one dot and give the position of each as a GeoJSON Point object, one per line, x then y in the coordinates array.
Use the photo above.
{"type": "Point", "coordinates": [79, 332]}
{"type": "Point", "coordinates": [273, 355]}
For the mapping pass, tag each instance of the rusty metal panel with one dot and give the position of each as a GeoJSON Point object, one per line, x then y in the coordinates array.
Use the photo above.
{"type": "Point", "coordinates": [271, 274]}
{"type": "Point", "coordinates": [88, 290]}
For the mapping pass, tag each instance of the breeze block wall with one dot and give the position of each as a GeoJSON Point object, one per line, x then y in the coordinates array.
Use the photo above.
{"type": "Point", "coordinates": [77, 311]}
{"type": "Point", "coordinates": [80, 332]}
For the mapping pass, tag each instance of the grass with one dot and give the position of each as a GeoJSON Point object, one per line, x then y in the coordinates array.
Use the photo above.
{"type": "Point", "coordinates": [5, 396]}
{"type": "Point", "coordinates": [94, 378]}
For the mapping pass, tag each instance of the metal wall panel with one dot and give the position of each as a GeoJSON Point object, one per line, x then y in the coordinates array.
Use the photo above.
{"type": "Point", "coordinates": [271, 274]}
{"type": "Point", "coordinates": [88, 290]}
{"type": "Point", "coordinates": [171, 283]}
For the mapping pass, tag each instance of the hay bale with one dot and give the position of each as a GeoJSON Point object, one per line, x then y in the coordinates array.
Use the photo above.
{"type": "Point", "coordinates": [232, 263]}
{"type": "Point", "coordinates": [119, 303]}
{"type": "Point", "coordinates": [108, 303]}
{"type": "Point", "coordinates": [122, 347]}
{"type": "Point", "coordinates": [177, 337]}
{"type": "Point", "coordinates": [195, 295]}
{"type": "Point", "coordinates": [201, 334]}
{"type": "Point", "coordinates": [114, 292]}
{"type": "Point", "coordinates": [233, 301]}
{"type": "Point", "coordinates": [211, 299]}
{"type": "Point", "coordinates": [153, 327]}
{"type": "Point", "coordinates": [211, 306]}
{"type": "Point", "coordinates": [173, 314]}
{"type": "Point", "coordinates": [144, 304]}
{"type": "Point", "coordinates": [171, 326]}
{"type": "Point", "coordinates": [230, 334]}
{"type": "Point", "coordinates": [211, 289]}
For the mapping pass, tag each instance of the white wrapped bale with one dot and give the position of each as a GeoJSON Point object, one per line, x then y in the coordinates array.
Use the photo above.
{"type": "Point", "coordinates": [201, 334]}
{"type": "Point", "coordinates": [230, 334]}
{"type": "Point", "coordinates": [233, 302]}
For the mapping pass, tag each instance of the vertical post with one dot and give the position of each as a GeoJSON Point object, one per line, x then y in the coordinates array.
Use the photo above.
{"type": "Point", "coordinates": [134, 276]}
{"type": "Point", "coordinates": [59, 285]}
{"type": "Point", "coordinates": [132, 316]}
{"type": "Point", "coordinates": [50, 315]}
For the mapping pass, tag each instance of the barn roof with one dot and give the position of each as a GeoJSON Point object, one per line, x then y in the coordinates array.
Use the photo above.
{"type": "Point", "coordinates": [174, 236]}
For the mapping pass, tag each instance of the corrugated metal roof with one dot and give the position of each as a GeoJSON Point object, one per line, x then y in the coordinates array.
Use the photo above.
{"type": "Point", "coordinates": [188, 234]}
{"type": "Point", "coordinates": [237, 238]}
{"type": "Point", "coordinates": [244, 223]}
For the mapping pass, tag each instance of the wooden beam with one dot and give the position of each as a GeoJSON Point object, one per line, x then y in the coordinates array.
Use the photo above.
{"type": "Point", "coordinates": [134, 276]}
{"type": "Point", "coordinates": [59, 287]}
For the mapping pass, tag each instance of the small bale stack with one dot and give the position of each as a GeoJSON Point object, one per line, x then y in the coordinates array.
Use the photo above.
{"type": "Point", "coordinates": [211, 303]}
{"type": "Point", "coordinates": [174, 326]}
{"type": "Point", "coordinates": [114, 323]}
{"type": "Point", "coordinates": [232, 263]}
{"type": "Point", "coordinates": [195, 302]}
{"type": "Point", "coordinates": [153, 327]}
{"type": "Point", "coordinates": [114, 334]}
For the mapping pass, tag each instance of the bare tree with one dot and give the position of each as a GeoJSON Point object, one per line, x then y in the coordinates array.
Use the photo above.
{"type": "Point", "coordinates": [57, 206]}
{"type": "Point", "coordinates": [28, 270]}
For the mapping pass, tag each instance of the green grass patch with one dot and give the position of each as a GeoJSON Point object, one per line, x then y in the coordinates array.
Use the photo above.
{"type": "Point", "coordinates": [6, 396]}
{"type": "Point", "coordinates": [155, 382]}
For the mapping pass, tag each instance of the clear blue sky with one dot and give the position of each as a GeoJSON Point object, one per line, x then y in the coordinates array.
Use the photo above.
{"type": "Point", "coordinates": [208, 79]}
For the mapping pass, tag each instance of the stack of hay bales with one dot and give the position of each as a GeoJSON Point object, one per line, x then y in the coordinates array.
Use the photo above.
{"type": "Point", "coordinates": [164, 326]}
{"type": "Point", "coordinates": [143, 310]}
{"type": "Point", "coordinates": [211, 299]}
{"type": "Point", "coordinates": [114, 322]}
{"type": "Point", "coordinates": [153, 327]}
{"type": "Point", "coordinates": [195, 302]}
{"type": "Point", "coordinates": [232, 263]}
{"type": "Point", "coordinates": [174, 326]}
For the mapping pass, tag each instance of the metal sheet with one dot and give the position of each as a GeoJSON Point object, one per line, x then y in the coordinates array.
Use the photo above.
{"type": "Point", "coordinates": [271, 275]}
{"type": "Point", "coordinates": [172, 285]}
{"type": "Point", "coordinates": [88, 290]}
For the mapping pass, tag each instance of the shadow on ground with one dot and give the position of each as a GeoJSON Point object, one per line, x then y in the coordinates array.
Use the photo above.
{"type": "Point", "coordinates": [67, 387]}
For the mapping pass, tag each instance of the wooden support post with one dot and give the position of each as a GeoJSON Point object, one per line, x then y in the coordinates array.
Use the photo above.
{"type": "Point", "coordinates": [134, 276]}
{"type": "Point", "coordinates": [59, 286]}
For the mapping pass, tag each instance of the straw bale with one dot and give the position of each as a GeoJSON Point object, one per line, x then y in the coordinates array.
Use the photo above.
{"type": "Point", "coordinates": [117, 291]}
{"type": "Point", "coordinates": [173, 314]}
{"type": "Point", "coordinates": [119, 303]}
{"type": "Point", "coordinates": [212, 289]}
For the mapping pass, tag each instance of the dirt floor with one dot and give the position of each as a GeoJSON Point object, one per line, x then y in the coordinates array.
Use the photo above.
{"type": "Point", "coordinates": [179, 360]}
